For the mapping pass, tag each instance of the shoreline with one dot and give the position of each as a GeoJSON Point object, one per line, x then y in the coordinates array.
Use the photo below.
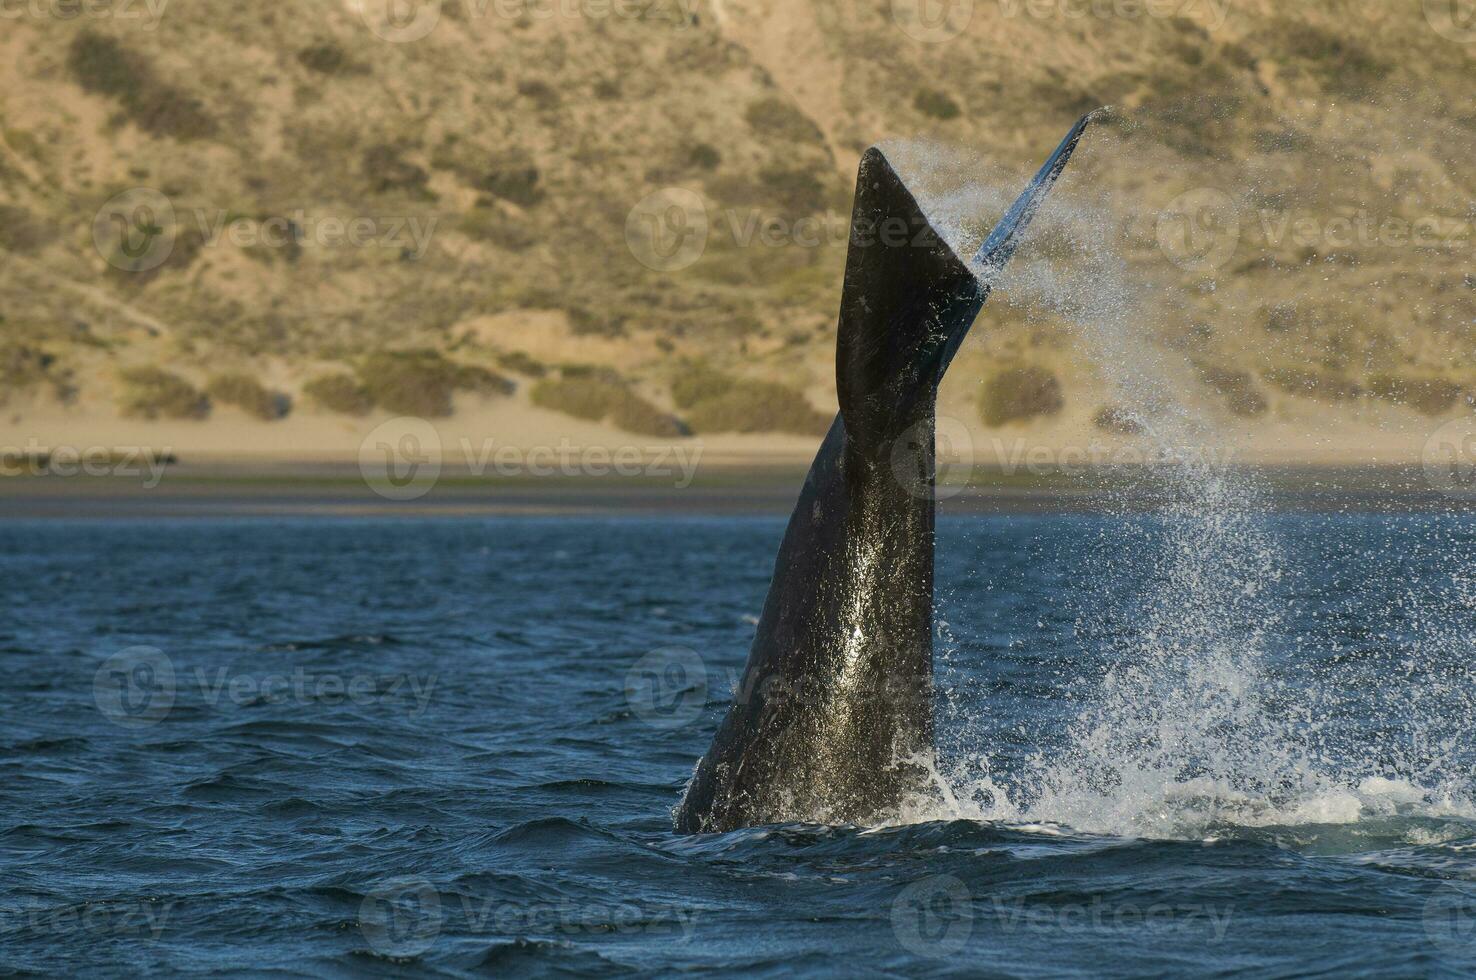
{"type": "Point", "coordinates": [206, 490]}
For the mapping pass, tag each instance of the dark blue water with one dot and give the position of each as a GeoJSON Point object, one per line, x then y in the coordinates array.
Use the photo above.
{"type": "Point", "coordinates": [451, 748]}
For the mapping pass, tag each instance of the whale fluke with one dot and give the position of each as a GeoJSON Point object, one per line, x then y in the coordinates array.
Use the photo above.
{"type": "Point", "coordinates": [833, 719]}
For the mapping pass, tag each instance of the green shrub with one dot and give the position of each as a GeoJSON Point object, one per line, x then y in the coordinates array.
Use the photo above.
{"type": "Point", "coordinates": [1019, 394]}
{"type": "Point", "coordinates": [340, 393]}
{"type": "Point", "coordinates": [103, 66]}
{"type": "Point", "coordinates": [1117, 421]}
{"type": "Point", "coordinates": [1313, 384]}
{"type": "Point", "coordinates": [422, 382]}
{"type": "Point", "coordinates": [387, 170]}
{"type": "Point", "coordinates": [797, 192]}
{"type": "Point", "coordinates": [247, 394]}
{"type": "Point", "coordinates": [1242, 397]}
{"type": "Point", "coordinates": [329, 58]}
{"type": "Point", "coordinates": [1341, 64]}
{"type": "Point", "coordinates": [20, 231]}
{"type": "Point", "coordinates": [697, 382]}
{"type": "Point", "coordinates": [757, 406]}
{"type": "Point", "coordinates": [516, 182]}
{"type": "Point", "coordinates": [775, 117]}
{"type": "Point", "coordinates": [1428, 396]}
{"type": "Point", "coordinates": [22, 366]}
{"type": "Point", "coordinates": [705, 156]}
{"type": "Point", "coordinates": [151, 393]}
{"type": "Point", "coordinates": [938, 105]}
{"type": "Point", "coordinates": [599, 399]}
{"type": "Point", "coordinates": [522, 363]}
{"type": "Point", "coordinates": [543, 95]}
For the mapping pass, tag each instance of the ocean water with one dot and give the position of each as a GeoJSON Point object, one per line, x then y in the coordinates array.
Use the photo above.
{"type": "Point", "coordinates": [1190, 742]}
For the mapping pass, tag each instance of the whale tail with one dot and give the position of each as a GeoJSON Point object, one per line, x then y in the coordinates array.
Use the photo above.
{"type": "Point", "coordinates": [835, 705]}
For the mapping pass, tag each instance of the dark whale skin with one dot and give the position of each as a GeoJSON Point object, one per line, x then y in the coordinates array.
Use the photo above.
{"type": "Point", "coordinates": [833, 718]}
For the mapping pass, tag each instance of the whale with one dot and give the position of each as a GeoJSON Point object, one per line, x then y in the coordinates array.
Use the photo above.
{"type": "Point", "coordinates": [832, 719]}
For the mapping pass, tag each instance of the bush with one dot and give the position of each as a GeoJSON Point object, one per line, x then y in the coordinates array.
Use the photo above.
{"type": "Point", "coordinates": [599, 399]}
{"type": "Point", "coordinates": [21, 232]}
{"type": "Point", "coordinates": [705, 156]}
{"type": "Point", "coordinates": [152, 393]}
{"type": "Point", "coordinates": [247, 394]}
{"type": "Point", "coordinates": [1428, 396]}
{"type": "Point", "coordinates": [421, 382]}
{"type": "Point", "coordinates": [522, 363]}
{"type": "Point", "coordinates": [1117, 421]}
{"type": "Point", "coordinates": [697, 382]}
{"type": "Point", "coordinates": [757, 406]}
{"type": "Point", "coordinates": [328, 58]}
{"type": "Point", "coordinates": [938, 105]}
{"type": "Point", "coordinates": [22, 366]}
{"type": "Point", "coordinates": [340, 393]}
{"type": "Point", "coordinates": [1241, 395]}
{"type": "Point", "coordinates": [796, 192]}
{"type": "Point", "coordinates": [1313, 384]}
{"type": "Point", "coordinates": [387, 170]}
{"type": "Point", "coordinates": [775, 117]}
{"type": "Point", "coordinates": [1020, 394]}
{"type": "Point", "coordinates": [516, 182]}
{"type": "Point", "coordinates": [103, 66]}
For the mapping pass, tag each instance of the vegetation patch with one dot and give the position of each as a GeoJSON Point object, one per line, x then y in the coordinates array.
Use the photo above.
{"type": "Point", "coordinates": [247, 394]}
{"type": "Point", "coordinates": [422, 382]}
{"type": "Point", "coordinates": [1428, 396]}
{"type": "Point", "coordinates": [775, 117]}
{"type": "Point", "coordinates": [104, 67]}
{"type": "Point", "coordinates": [329, 58]}
{"type": "Point", "coordinates": [1118, 421]}
{"type": "Point", "coordinates": [1317, 385]}
{"type": "Point", "coordinates": [340, 393]}
{"type": "Point", "coordinates": [21, 231]}
{"type": "Point", "coordinates": [1242, 397]}
{"type": "Point", "coordinates": [936, 104]}
{"type": "Point", "coordinates": [153, 393]}
{"type": "Point", "coordinates": [386, 169]}
{"type": "Point", "coordinates": [718, 402]}
{"type": "Point", "coordinates": [522, 363]}
{"type": "Point", "coordinates": [1020, 394]}
{"type": "Point", "coordinates": [600, 399]}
